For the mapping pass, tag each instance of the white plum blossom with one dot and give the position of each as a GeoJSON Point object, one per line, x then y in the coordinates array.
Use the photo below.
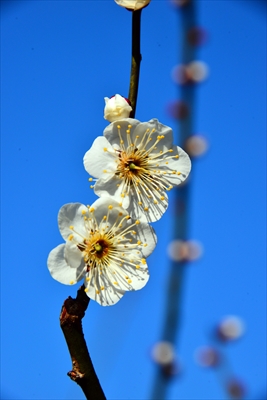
{"type": "Point", "coordinates": [105, 247]}
{"type": "Point", "coordinates": [116, 108]}
{"type": "Point", "coordinates": [136, 163]}
{"type": "Point", "coordinates": [133, 4]}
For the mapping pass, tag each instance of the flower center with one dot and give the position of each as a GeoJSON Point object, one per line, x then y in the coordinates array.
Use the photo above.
{"type": "Point", "coordinates": [110, 249]}
{"type": "Point", "coordinates": [143, 169]}
{"type": "Point", "coordinates": [98, 248]}
{"type": "Point", "coordinates": [131, 164]}
{"type": "Point", "coordinates": [95, 248]}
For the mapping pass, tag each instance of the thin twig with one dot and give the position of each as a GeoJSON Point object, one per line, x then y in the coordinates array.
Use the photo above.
{"type": "Point", "coordinates": [136, 60]}
{"type": "Point", "coordinates": [83, 372]}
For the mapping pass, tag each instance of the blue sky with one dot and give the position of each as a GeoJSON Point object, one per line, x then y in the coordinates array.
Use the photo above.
{"type": "Point", "coordinates": [59, 60]}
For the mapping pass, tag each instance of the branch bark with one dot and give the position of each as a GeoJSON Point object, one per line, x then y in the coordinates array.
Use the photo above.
{"type": "Point", "coordinates": [136, 60]}
{"type": "Point", "coordinates": [83, 372]}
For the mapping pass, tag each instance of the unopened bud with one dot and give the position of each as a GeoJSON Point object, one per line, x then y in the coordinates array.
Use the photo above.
{"type": "Point", "coordinates": [178, 110]}
{"type": "Point", "coordinates": [132, 5]}
{"type": "Point", "coordinates": [235, 389]}
{"type": "Point", "coordinates": [230, 328]}
{"type": "Point", "coordinates": [194, 72]}
{"type": "Point", "coordinates": [207, 357]}
{"type": "Point", "coordinates": [196, 145]}
{"type": "Point", "coordinates": [163, 353]}
{"type": "Point", "coordinates": [180, 250]}
{"type": "Point", "coordinates": [116, 108]}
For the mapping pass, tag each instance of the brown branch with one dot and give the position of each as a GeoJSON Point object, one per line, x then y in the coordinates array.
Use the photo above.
{"type": "Point", "coordinates": [136, 60]}
{"type": "Point", "coordinates": [83, 372]}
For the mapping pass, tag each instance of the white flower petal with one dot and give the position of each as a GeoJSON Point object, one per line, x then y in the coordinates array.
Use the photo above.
{"type": "Point", "coordinates": [73, 255]}
{"type": "Point", "coordinates": [158, 130]}
{"type": "Point", "coordinates": [130, 278]}
{"type": "Point", "coordinates": [102, 291]}
{"type": "Point", "coordinates": [182, 166]}
{"type": "Point", "coordinates": [155, 208]}
{"type": "Point", "coordinates": [101, 157]}
{"type": "Point", "coordinates": [112, 188]}
{"type": "Point", "coordinates": [101, 207]}
{"type": "Point", "coordinates": [146, 234]}
{"type": "Point", "coordinates": [111, 131]}
{"type": "Point", "coordinates": [60, 270]}
{"type": "Point", "coordinates": [71, 215]}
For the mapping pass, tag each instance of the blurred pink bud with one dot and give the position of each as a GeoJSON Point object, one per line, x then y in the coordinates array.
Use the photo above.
{"type": "Point", "coordinates": [196, 145]}
{"type": "Point", "coordinates": [163, 353]}
{"type": "Point", "coordinates": [194, 250]}
{"type": "Point", "coordinates": [198, 71]}
{"type": "Point", "coordinates": [194, 72]}
{"type": "Point", "coordinates": [196, 36]}
{"type": "Point", "coordinates": [207, 356]}
{"type": "Point", "coordinates": [230, 328]}
{"type": "Point", "coordinates": [179, 250]}
{"type": "Point", "coordinates": [235, 389]}
{"type": "Point", "coordinates": [178, 110]}
{"type": "Point", "coordinates": [179, 74]}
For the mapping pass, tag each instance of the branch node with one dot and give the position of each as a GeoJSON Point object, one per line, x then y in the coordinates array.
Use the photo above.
{"type": "Point", "coordinates": [75, 376]}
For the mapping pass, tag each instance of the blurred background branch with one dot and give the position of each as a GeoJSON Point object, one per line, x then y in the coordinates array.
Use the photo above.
{"type": "Point", "coordinates": [184, 111]}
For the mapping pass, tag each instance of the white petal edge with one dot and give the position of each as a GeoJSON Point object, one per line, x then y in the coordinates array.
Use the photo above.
{"type": "Point", "coordinates": [100, 158]}
{"type": "Point", "coordinates": [73, 256]}
{"type": "Point", "coordinates": [71, 215]}
{"type": "Point", "coordinates": [107, 297]}
{"type": "Point", "coordinates": [60, 270]}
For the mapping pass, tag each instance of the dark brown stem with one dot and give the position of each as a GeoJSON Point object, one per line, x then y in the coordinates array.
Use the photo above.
{"type": "Point", "coordinates": [83, 372]}
{"type": "Point", "coordinates": [136, 60]}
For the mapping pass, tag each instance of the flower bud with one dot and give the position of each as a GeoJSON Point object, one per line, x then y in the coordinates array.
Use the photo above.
{"type": "Point", "coordinates": [163, 353]}
{"type": "Point", "coordinates": [230, 328]}
{"type": "Point", "coordinates": [180, 250]}
{"type": "Point", "coordinates": [235, 389]}
{"type": "Point", "coordinates": [207, 357]}
{"type": "Point", "coordinates": [132, 5]}
{"type": "Point", "coordinates": [196, 145]}
{"type": "Point", "coordinates": [116, 108]}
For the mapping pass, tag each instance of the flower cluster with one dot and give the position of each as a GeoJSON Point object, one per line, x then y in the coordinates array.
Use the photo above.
{"type": "Point", "coordinates": [135, 164]}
